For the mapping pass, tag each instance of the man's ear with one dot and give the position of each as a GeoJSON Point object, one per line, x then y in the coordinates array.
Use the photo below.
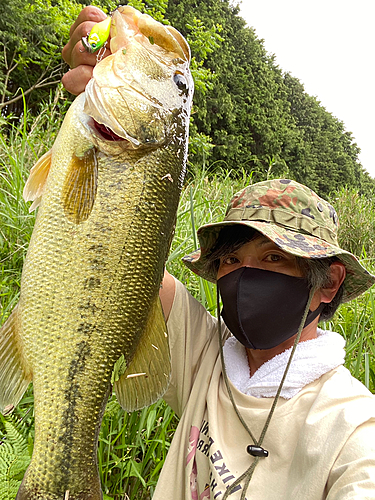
{"type": "Point", "coordinates": [338, 273]}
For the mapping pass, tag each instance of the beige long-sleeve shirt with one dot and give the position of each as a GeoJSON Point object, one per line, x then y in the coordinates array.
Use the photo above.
{"type": "Point", "coordinates": [321, 442]}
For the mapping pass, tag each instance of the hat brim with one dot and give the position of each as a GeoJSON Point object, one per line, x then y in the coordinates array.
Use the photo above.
{"type": "Point", "coordinates": [357, 279]}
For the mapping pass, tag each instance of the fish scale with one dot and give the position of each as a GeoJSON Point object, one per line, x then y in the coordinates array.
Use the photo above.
{"type": "Point", "coordinates": [90, 282]}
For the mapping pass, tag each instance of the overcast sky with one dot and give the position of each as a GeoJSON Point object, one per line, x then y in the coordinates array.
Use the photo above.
{"type": "Point", "coordinates": [329, 45]}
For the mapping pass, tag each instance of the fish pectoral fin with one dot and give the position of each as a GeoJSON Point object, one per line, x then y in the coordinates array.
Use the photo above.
{"type": "Point", "coordinates": [146, 378]}
{"type": "Point", "coordinates": [80, 186]}
{"type": "Point", "coordinates": [15, 374]}
{"type": "Point", "coordinates": [36, 182]}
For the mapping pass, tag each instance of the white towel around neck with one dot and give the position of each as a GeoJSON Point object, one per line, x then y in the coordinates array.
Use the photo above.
{"type": "Point", "coordinates": [312, 359]}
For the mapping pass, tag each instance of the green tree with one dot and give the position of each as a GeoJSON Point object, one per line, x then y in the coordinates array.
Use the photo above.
{"type": "Point", "coordinates": [260, 119]}
{"type": "Point", "coordinates": [247, 113]}
{"type": "Point", "coordinates": [32, 33]}
{"type": "Point", "coordinates": [324, 156]}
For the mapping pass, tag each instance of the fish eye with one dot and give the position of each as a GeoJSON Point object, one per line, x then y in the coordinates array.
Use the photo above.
{"type": "Point", "coordinates": [181, 82]}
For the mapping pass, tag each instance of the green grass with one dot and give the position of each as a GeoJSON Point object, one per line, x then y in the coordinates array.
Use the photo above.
{"type": "Point", "coordinates": [357, 221]}
{"type": "Point", "coordinates": [132, 447]}
{"type": "Point", "coordinates": [355, 321]}
{"type": "Point", "coordinates": [20, 147]}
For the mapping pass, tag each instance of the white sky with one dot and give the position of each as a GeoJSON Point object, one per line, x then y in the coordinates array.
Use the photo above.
{"type": "Point", "coordinates": [329, 45]}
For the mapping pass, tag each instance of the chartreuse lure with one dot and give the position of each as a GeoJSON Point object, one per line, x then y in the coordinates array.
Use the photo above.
{"type": "Point", "coordinates": [98, 36]}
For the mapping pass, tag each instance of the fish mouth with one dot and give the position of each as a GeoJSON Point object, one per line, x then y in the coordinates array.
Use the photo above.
{"type": "Point", "coordinates": [106, 133]}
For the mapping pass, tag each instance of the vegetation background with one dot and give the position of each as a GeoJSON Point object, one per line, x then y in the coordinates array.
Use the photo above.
{"type": "Point", "coordinates": [250, 122]}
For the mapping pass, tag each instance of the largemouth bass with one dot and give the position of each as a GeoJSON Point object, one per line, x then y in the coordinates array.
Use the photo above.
{"type": "Point", "coordinates": [89, 312]}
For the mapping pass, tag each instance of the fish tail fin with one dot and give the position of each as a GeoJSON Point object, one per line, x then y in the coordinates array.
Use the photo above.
{"type": "Point", "coordinates": [15, 374]}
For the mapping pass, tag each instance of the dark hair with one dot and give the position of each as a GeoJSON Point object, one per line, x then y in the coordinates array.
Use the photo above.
{"type": "Point", "coordinates": [316, 271]}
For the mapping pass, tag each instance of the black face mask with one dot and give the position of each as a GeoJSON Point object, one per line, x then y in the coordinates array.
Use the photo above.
{"type": "Point", "coordinates": [264, 308]}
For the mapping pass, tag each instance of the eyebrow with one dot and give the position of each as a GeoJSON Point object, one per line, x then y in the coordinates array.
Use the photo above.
{"type": "Point", "coordinates": [263, 240]}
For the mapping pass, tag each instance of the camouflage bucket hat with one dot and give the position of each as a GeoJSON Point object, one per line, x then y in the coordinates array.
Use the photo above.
{"type": "Point", "coordinates": [295, 218]}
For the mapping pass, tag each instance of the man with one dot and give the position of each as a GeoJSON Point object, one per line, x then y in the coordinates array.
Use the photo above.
{"type": "Point", "coordinates": [276, 244]}
{"type": "Point", "coordinates": [278, 417]}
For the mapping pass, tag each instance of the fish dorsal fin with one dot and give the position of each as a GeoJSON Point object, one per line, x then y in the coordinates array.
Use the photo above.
{"type": "Point", "coordinates": [147, 377]}
{"type": "Point", "coordinates": [36, 182]}
{"type": "Point", "coordinates": [15, 374]}
{"type": "Point", "coordinates": [80, 185]}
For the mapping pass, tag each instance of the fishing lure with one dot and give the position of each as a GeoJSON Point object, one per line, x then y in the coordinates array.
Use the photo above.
{"type": "Point", "coordinates": [98, 36]}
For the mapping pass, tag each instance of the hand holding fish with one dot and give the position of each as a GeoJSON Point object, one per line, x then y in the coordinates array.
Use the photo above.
{"type": "Point", "coordinates": [76, 56]}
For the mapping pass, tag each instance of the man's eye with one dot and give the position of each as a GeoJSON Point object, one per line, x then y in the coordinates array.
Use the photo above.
{"type": "Point", "coordinates": [229, 260]}
{"type": "Point", "coordinates": [274, 257]}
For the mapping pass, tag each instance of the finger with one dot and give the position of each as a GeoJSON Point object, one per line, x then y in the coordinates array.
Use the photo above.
{"type": "Point", "coordinates": [80, 56]}
{"type": "Point", "coordinates": [76, 54]}
{"type": "Point", "coordinates": [74, 47]}
{"type": "Point", "coordinates": [75, 80]}
{"type": "Point", "coordinates": [90, 13]}
{"type": "Point", "coordinates": [87, 18]}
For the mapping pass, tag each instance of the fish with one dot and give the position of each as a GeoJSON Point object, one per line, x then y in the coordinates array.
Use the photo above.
{"type": "Point", "coordinates": [89, 317]}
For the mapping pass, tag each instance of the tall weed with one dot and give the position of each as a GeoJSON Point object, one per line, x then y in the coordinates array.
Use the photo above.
{"type": "Point", "coordinates": [22, 142]}
{"type": "Point", "coordinates": [357, 221]}
{"type": "Point", "coordinates": [203, 200]}
{"type": "Point", "coordinates": [132, 449]}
